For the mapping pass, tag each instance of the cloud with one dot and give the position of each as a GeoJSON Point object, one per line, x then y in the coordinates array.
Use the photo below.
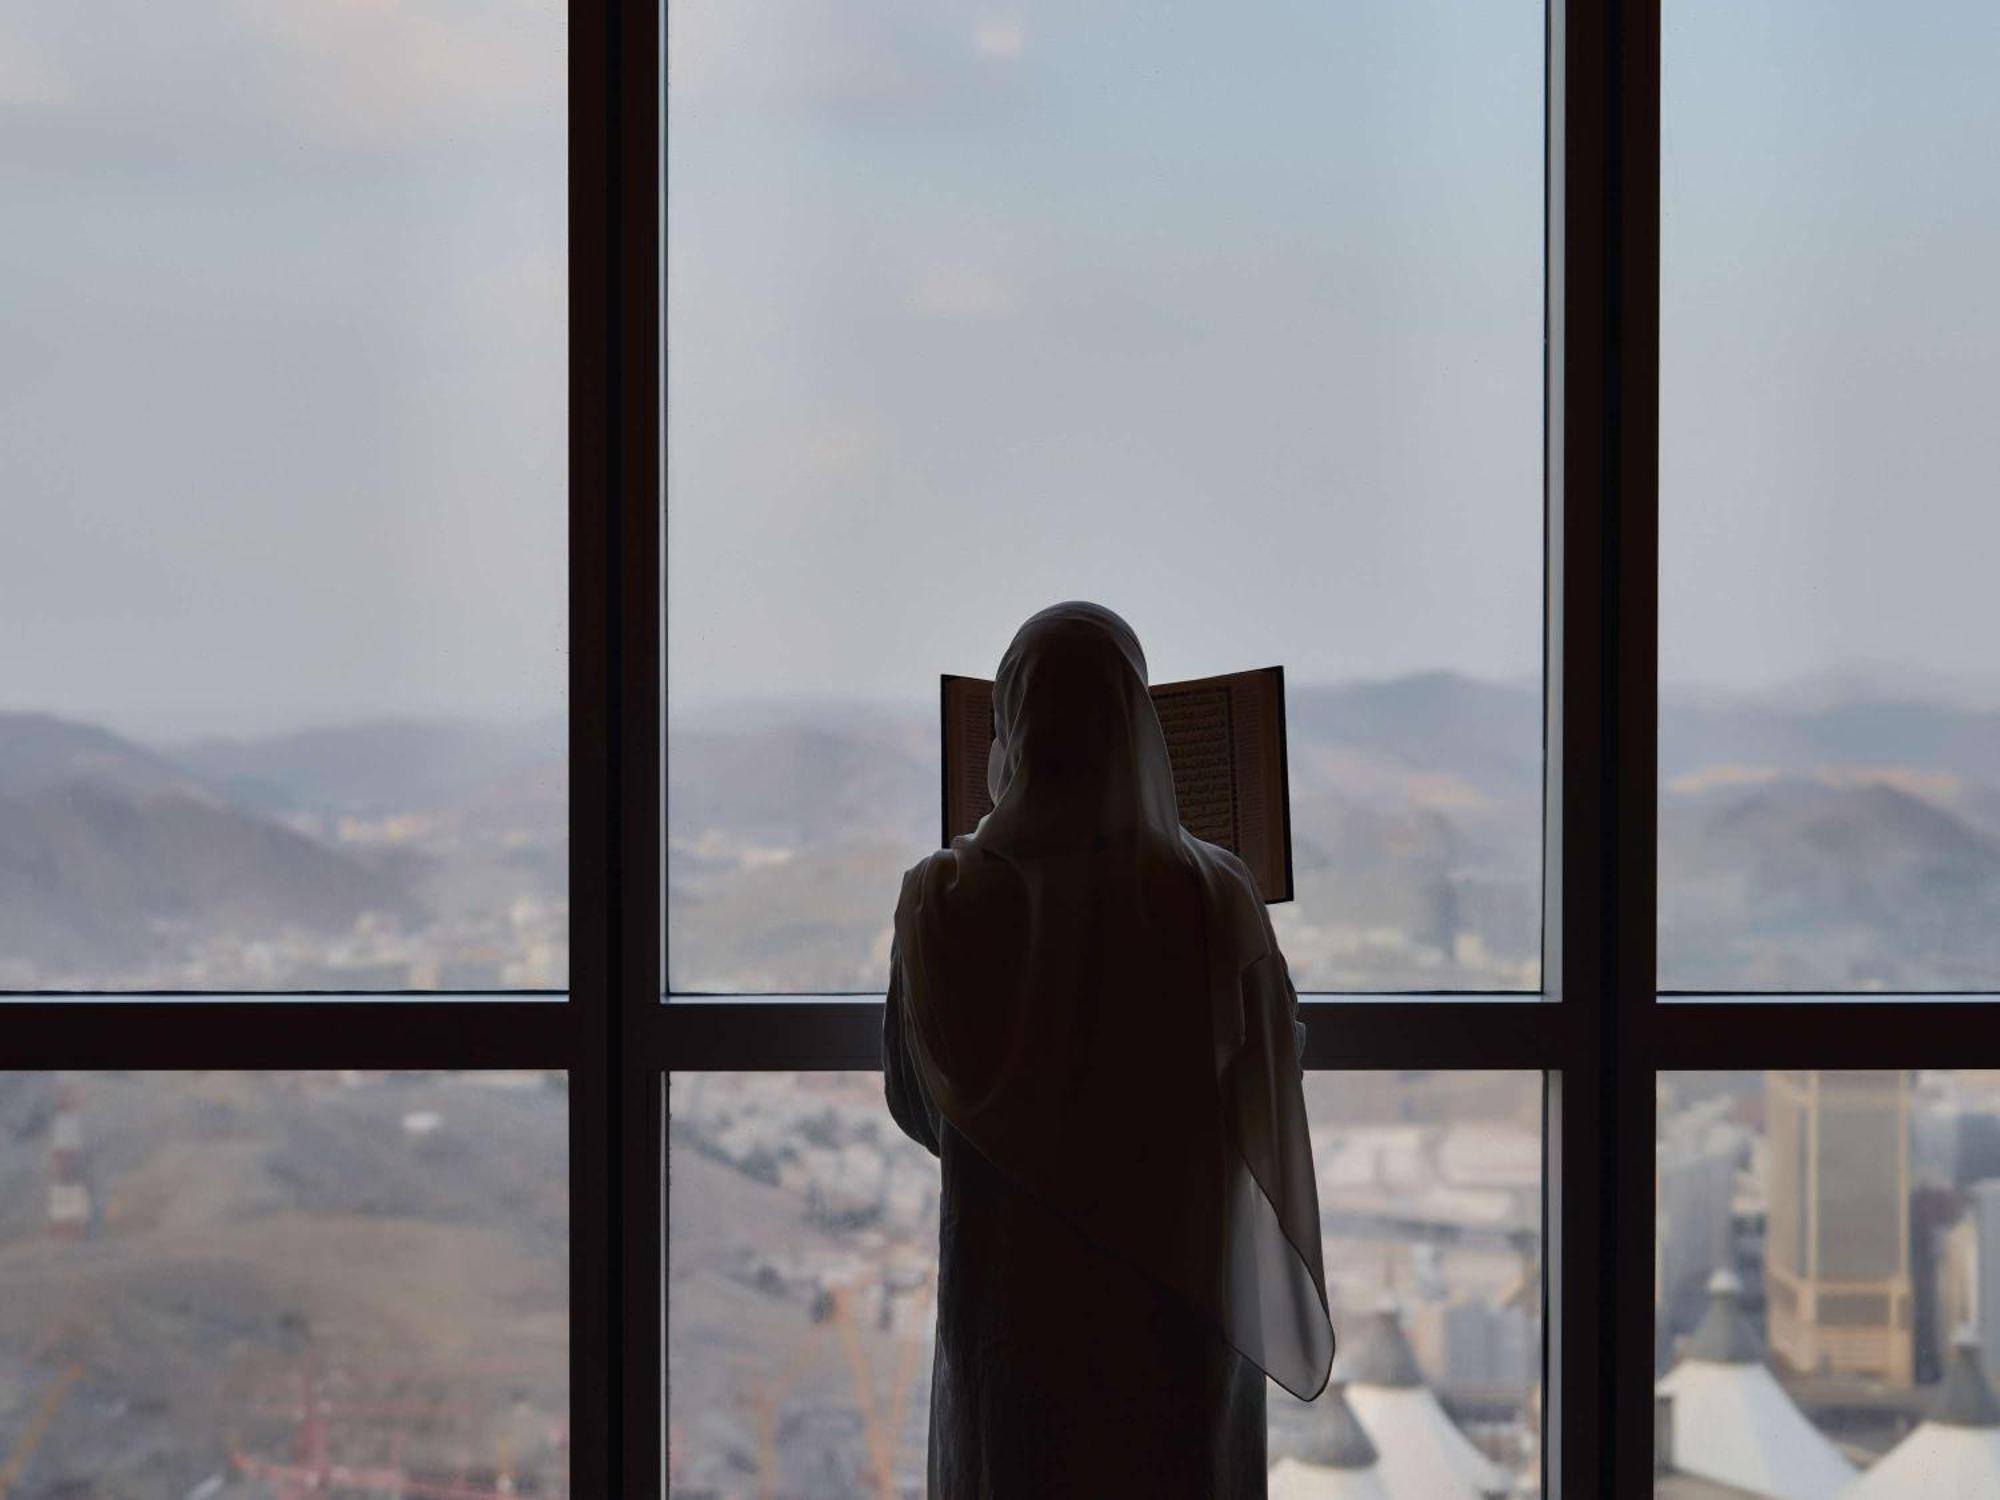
{"type": "Point", "coordinates": [834, 61]}
{"type": "Point", "coordinates": [960, 294]}
{"type": "Point", "coordinates": [29, 79]}
{"type": "Point", "coordinates": [1003, 41]}
{"type": "Point", "coordinates": [385, 72]}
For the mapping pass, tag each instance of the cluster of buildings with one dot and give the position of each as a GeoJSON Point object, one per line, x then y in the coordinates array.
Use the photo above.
{"type": "Point", "coordinates": [1446, 1216]}
{"type": "Point", "coordinates": [1827, 1273]}
{"type": "Point", "coordinates": [1444, 1213]}
{"type": "Point", "coordinates": [522, 944]}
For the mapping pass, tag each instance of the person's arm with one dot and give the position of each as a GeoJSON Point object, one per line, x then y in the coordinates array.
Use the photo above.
{"type": "Point", "coordinates": [902, 1081]}
{"type": "Point", "coordinates": [1277, 956]}
{"type": "Point", "coordinates": [1298, 1026]}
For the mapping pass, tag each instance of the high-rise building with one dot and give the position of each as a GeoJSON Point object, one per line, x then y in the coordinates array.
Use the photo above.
{"type": "Point", "coordinates": [1837, 1252]}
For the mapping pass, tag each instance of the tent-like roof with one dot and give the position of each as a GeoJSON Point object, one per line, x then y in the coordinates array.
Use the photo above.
{"type": "Point", "coordinates": [1293, 1479]}
{"type": "Point", "coordinates": [1338, 1441]}
{"type": "Point", "coordinates": [1374, 1351]}
{"type": "Point", "coordinates": [1340, 1463]}
{"type": "Point", "coordinates": [1423, 1455]}
{"type": "Point", "coordinates": [1953, 1456]}
{"type": "Point", "coordinates": [1724, 1335]}
{"type": "Point", "coordinates": [1528, 1483]}
{"type": "Point", "coordinates": [1733, 1423]}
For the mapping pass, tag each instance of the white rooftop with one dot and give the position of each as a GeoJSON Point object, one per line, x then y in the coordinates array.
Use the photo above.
{"type": "Point", "coordinates": [1294, 1479]}
{"type": "Point", "coordinates": [1422, 1454]}
{"type": "Point", "coordinates": [1953, 1456]}
{"type": "Point", "coordinates": [1734, 1424]}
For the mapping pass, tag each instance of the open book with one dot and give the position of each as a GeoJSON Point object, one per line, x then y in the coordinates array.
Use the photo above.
{"type": "Point", "coordinates": [1225, 737]}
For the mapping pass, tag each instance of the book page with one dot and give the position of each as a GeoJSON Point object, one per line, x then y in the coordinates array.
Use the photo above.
{"type": "Point", "coordinates": [1202, 746]}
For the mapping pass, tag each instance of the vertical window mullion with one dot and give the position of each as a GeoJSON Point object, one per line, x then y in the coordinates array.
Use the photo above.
{"type": "Point", "coordinates": [639, 1185]}
{"type": "Point", "coordinates": [614, 741]}
{"type": "Point", "coordinates": [1603, 227]}
{"type": "Point", "coordinates": [591, 710]}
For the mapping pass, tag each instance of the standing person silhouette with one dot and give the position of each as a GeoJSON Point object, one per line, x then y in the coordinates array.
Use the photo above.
{"type": "Point", "coordinates": [1090, 1024]}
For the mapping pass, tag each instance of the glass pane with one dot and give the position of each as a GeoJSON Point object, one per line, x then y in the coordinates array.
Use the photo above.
{"type": "Point", "coordinates": [1228, 318]}
{"type": "Point", "coordinates": [1828, 1297]}
{"type": "Point", "coordinates": [801, 1263]}
{"type": "Point", "coordinates": [283, 1284]}
{"type": "Point", "coordinates": [284, 597]}
{"type": "Point", "coordinates": [1830, 339]}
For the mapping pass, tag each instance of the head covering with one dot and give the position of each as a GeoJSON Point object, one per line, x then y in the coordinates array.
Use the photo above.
{"type": "Point", "coordinates": [1100, 1007]}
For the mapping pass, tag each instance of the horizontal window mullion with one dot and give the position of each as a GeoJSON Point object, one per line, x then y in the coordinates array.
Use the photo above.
{"type": "Point", "coordinates": [1442, 1033]}
{"type": "Point", "coordinates": [1920, 1031]}
{"type": "Point", "coordinates": [770, 1034]}
{"type": "Point", "coordinates": [754, 1033]}
{"type": "Point", "coordinates": [215, 1031]}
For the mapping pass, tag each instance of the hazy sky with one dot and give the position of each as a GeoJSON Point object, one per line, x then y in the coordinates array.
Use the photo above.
{"type": "Point", "coordinates": [1226, 316]}
{"type": "Point", "coordinates": [1830, 339]}
{"type": "Point", "coordinates": [1229, 316]}
{"type": "Point", "coordinates": [282, 359]}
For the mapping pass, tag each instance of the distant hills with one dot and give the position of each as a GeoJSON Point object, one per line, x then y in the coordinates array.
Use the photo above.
{"type": "Point", "coordinates": [38, 751]}
{"type": "Point", "coordinates": [1852, 844]}
{"type": "Point", "coordinates": [111, 854]}
{"type": "Point", "coordinates": [1837, 846]}
{"type": "Point", "coordinates": [383, 766]}
{"type": "Point", "coordinates": [120, 861]}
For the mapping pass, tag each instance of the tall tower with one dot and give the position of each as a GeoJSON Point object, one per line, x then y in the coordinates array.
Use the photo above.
{"type": "Point", "coordinates": [1837, 1249]}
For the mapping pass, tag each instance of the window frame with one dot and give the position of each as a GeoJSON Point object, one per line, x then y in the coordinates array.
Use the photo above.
{"type": "Point", "coordinates": [1598, 1031]}
{"type": "Point", "coordinates": [613, 67]}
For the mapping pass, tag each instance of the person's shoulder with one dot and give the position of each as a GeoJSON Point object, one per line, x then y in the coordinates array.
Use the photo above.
{"type": "Point", "coordinates": [1238, 897]}
{"type": "Point", "coordinates": [939, 864]}
{"type": "Point", "coordinates": [961, 891]}
{"type": "Point", "coordinates": [942, 873]}
{"type": "Point", "coordinates": [1225, 862]}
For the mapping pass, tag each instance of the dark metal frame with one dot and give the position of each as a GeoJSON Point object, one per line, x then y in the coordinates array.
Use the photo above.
{"type": "Point", "coordinates": [1597, 1032]}
{"type": "Point", "coordinates": [615, 1094]}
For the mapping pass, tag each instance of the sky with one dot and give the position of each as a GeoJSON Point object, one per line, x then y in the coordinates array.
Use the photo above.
{"type": "Point", "coordinates": [1229, 317]}
{"type": "Point", "coordinates": [283, 390]}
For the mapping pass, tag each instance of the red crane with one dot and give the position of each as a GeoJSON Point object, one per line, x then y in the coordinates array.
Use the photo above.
{"type": "Point", "coordinates": [312, 1472]}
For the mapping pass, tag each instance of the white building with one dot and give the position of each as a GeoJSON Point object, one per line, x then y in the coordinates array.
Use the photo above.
{"type": "Point", "coordinates": [1340, 1463]}
{"type": "Point", "coordinates": [1422, 1454]}
{"type": "Point", "coordinates": [1732, 1423]}
{"type": "Point", "coordinates": [1955, 1455]}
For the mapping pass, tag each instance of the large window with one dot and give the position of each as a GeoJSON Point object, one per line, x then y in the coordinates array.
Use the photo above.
{"type": "Point", "coordinates": [1828, 869]}
{"type": "Point", "coordinates": [1828, 1246]}
{"type": "Point", "coordinates": [302, 1128]}
{"type": "Point", "coordinates": [1583, 402]}
{"type": "Point", "coordinates": [246, 1279]}
{"type": "Point", "coordinates": [284, 594]}
{"type": "Point", "coordinates": [1830, 345]}
{"type": "Point", "coordinates": [1230, 318]}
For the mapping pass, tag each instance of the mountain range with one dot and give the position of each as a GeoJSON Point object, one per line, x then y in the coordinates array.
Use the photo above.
{"type": "Point", "coordinates": [1845, 845]}
{"type": "Point", "coordinates": [121, 862]}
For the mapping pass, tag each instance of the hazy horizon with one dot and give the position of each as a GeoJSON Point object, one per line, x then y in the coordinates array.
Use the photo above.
{"type": "Point", "coordinates": [1857, 683]}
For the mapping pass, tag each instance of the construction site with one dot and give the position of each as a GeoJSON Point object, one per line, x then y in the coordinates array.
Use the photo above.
{"type": "Point", "coordinates": [268, 1286]}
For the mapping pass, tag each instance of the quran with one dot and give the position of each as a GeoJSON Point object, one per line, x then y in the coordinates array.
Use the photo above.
{"type": "Point", "coordinates": [1225, 737]}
